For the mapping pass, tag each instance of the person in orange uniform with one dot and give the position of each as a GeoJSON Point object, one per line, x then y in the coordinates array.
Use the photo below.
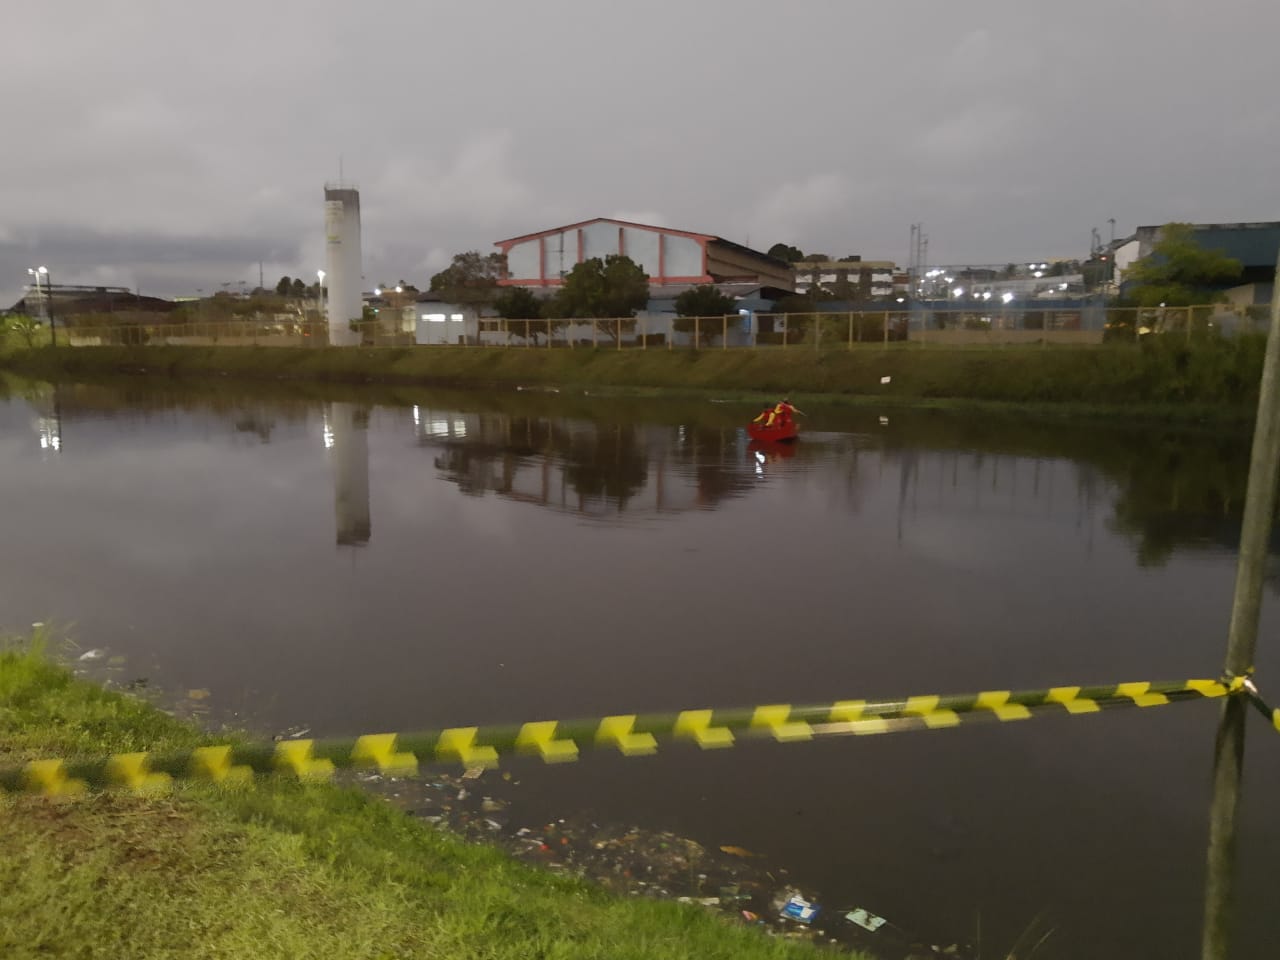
{"type": "Point", "coordinates": [780, 414]}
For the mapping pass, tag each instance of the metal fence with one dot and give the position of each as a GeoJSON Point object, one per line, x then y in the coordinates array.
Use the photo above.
{"type": "Point", "coordinates": [976, 326]}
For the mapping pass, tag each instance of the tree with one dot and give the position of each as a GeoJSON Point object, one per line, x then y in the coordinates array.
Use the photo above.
{"type": "Point", "coordinates": [1180, 272]}
{"type": "Point", "coordinates": [702, 301]}
{"type": "Point", "coordinates": [284, 287]}
{"type": "Point", "coordinates": [784, 251]}
{"type": "Point", "coordinates": [25, 327]}
{"type": "Point", "coordinates": [298, 288]}
{"type": "Point", "coordinates": [518, 303]}
{"type": "Point", "coordinates": [472, 278]}
{"type": "Point", "coordinates": [613, 287]}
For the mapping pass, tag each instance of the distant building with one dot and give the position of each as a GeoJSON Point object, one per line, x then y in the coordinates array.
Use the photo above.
{"type": "Point", "coordinates": [668, 256]}
{"type": "Point", "coordinates": [1256, 245]}
{"type": "Point", "coordinates": [851, 279]}
{"type": "Point", "coordinates": [70, 300]}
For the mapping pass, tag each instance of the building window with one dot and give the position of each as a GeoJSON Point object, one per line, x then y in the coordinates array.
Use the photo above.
{"type": "Point", "coordinates": [455, 316]}
{"type": "Point", "coordinates": [434, 317]}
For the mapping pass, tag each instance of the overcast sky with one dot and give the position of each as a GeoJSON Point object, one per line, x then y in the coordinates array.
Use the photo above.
{"type": "Point", "coordinates": [173, 146]}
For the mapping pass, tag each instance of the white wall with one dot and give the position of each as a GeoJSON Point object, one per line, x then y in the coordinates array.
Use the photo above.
{"type": "Point", "coordinates": [444, 323]}
{"type": "Point", "coordinates": [522, 260]}
{"type": "Point", "coordinates": [684, 256]}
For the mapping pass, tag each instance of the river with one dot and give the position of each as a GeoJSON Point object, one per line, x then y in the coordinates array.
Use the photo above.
{"type": "Point", "coordinates": [362, 561]}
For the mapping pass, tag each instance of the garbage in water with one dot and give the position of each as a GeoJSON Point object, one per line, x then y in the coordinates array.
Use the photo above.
{"type": "Point", "coordinates": [884, 380]}
{"type": "Point", "coordinates": [800, 909]}
{"type": "Point", "coordinates": [630, 860]}
{"type": "Point", "coordinates": [884, 421]}
{"type": "Point", "coordinates": [865, 919]}
{"type": "Point", "coordinates": [94, 654]}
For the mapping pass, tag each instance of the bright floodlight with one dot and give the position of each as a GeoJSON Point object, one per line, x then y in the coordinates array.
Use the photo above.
{"type": "Point", "coordinates": [320, 274]}
{"type": "Point", "coordinates": [1007, 297]}
{"type": "Point", "coordinates": [399, 289]}
{"type": "Point", "coordinates": [377, 291]}
{"type": "Point", "coordinates": [42, 269]}
{"type": "Point", "coordinates": [958, 291]}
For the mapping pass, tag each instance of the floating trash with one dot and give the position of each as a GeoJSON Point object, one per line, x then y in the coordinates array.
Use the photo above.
{"type": "Point", "coordinates": [800, 910]}
{"type": "Point", "coordinates": [94, 654]}
{"type": "Point", "coordinates": [884, 380]}
{"type": "Point", "coordinates": [865, 919]}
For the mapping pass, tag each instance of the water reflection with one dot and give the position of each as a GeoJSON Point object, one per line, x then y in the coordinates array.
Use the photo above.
{"type": "Point", "coordinates": [346, 436]}
{"type": "Point", "coordinates": [604, 556]}
{"type": "Point", "coordinates": [589, 468]}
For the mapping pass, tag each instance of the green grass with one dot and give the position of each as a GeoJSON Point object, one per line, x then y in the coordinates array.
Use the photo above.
{"type": "Point", "coordinates": [1215, 377]}
{"type": "Point", "coordinates": [281, 870]}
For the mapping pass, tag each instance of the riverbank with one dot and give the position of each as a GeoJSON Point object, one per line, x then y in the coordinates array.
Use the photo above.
{"type": "Point", "coordinates": [1215, 379]}
{"type": "Point", "coordinates": [281, 870]}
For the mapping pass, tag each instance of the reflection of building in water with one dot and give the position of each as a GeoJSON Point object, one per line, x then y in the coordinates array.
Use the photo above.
{"type": "Point", "coordinates": [346, 435]}
{"type": "Point", "coordinates": [585, 467]}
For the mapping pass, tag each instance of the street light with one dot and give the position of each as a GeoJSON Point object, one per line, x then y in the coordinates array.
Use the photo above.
{"type": "Point", "coordinates": [39, 272]}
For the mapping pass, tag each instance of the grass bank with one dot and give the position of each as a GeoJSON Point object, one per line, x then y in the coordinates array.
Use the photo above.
{"type": "Point", "coordinates": [1212, 378]}
{"type": "Point", "coordinates": [282, 870]}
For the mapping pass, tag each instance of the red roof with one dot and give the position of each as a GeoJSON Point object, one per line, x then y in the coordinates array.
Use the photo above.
{"type": "Point", "coordinates": [621, 223]}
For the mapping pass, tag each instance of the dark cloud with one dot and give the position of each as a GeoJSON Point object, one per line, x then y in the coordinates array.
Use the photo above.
{"type": "Point", "coordinates": [1010, 129]}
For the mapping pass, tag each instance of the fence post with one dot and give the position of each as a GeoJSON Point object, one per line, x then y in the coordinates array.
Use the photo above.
{"type": "Point", "coordinates": [644, 333]}
{"type": "Point", "coordinates": [549, 333]}
{"type": "Point", "coordinates": [697, 332]}
{"type": "Point", "coordinates": [1242, 639]}
{"type": "Point", "coordinates": [594, 338]}
{"type": "Point", "coordinates": [724, 332]}
{"type": "Point", "coordinates": [817, 331]}
{"type": "Point", "coordinates": [1188, 309]}
{"type": "Point", "coordinates": [850, 329]}
{"type": "Point", "coordinates": [528, 328]}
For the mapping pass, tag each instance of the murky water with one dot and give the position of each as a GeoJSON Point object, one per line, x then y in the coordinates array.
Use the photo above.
{"type": "Point", "coordinates": [357, 563]}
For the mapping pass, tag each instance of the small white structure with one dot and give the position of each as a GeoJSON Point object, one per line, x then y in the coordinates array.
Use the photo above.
{"type": "Point", "coordinates": [343, 262]}
{"type": "Point", "coordinates": [438, 322]}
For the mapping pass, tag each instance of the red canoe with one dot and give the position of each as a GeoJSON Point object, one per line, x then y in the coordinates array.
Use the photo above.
{"type": "Point", "coordinates": [780, 432]}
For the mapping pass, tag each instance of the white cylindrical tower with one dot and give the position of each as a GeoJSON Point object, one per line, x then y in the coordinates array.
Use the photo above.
{"type": "Point", "coordinates": [343, 264]}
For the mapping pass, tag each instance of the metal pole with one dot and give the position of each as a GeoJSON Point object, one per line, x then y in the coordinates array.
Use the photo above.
{"type": "Point", "coordinates": [1242, 639]}
{"type": "Point", "coordinates": [886, 329]}
{"type": "Point", "coordinates": [53, 326]}
{"type": "Point", "coordinates": [850, 329]}
{"type": "Point", "coordinates": [724, 332]}
{"type": "Point", "coordinates": [697, 331]}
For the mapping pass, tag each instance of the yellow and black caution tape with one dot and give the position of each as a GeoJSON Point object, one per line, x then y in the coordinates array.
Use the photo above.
{"type": "Point", "coordinates": [1251, 691]}
{"type": "Point", "coordinates": [556, 741]}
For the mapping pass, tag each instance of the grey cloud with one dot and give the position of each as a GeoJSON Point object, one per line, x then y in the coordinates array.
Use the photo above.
{"type": "Point", "coordinates": [1010, 129]}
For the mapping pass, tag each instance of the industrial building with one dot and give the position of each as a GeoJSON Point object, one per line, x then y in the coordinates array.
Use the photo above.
{"type": "Point", "coordinates": [668, 256]}
{"type": "Point", "coordinates": [851, 279]}
{"type": "Point", "coordinates": [1256, 245]}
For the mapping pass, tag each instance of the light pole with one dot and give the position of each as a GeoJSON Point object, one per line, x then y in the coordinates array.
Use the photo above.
{"type": "Point", "coordinates": [320, 294]}
{"type": "Point", "coordinates": [39, 272]}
